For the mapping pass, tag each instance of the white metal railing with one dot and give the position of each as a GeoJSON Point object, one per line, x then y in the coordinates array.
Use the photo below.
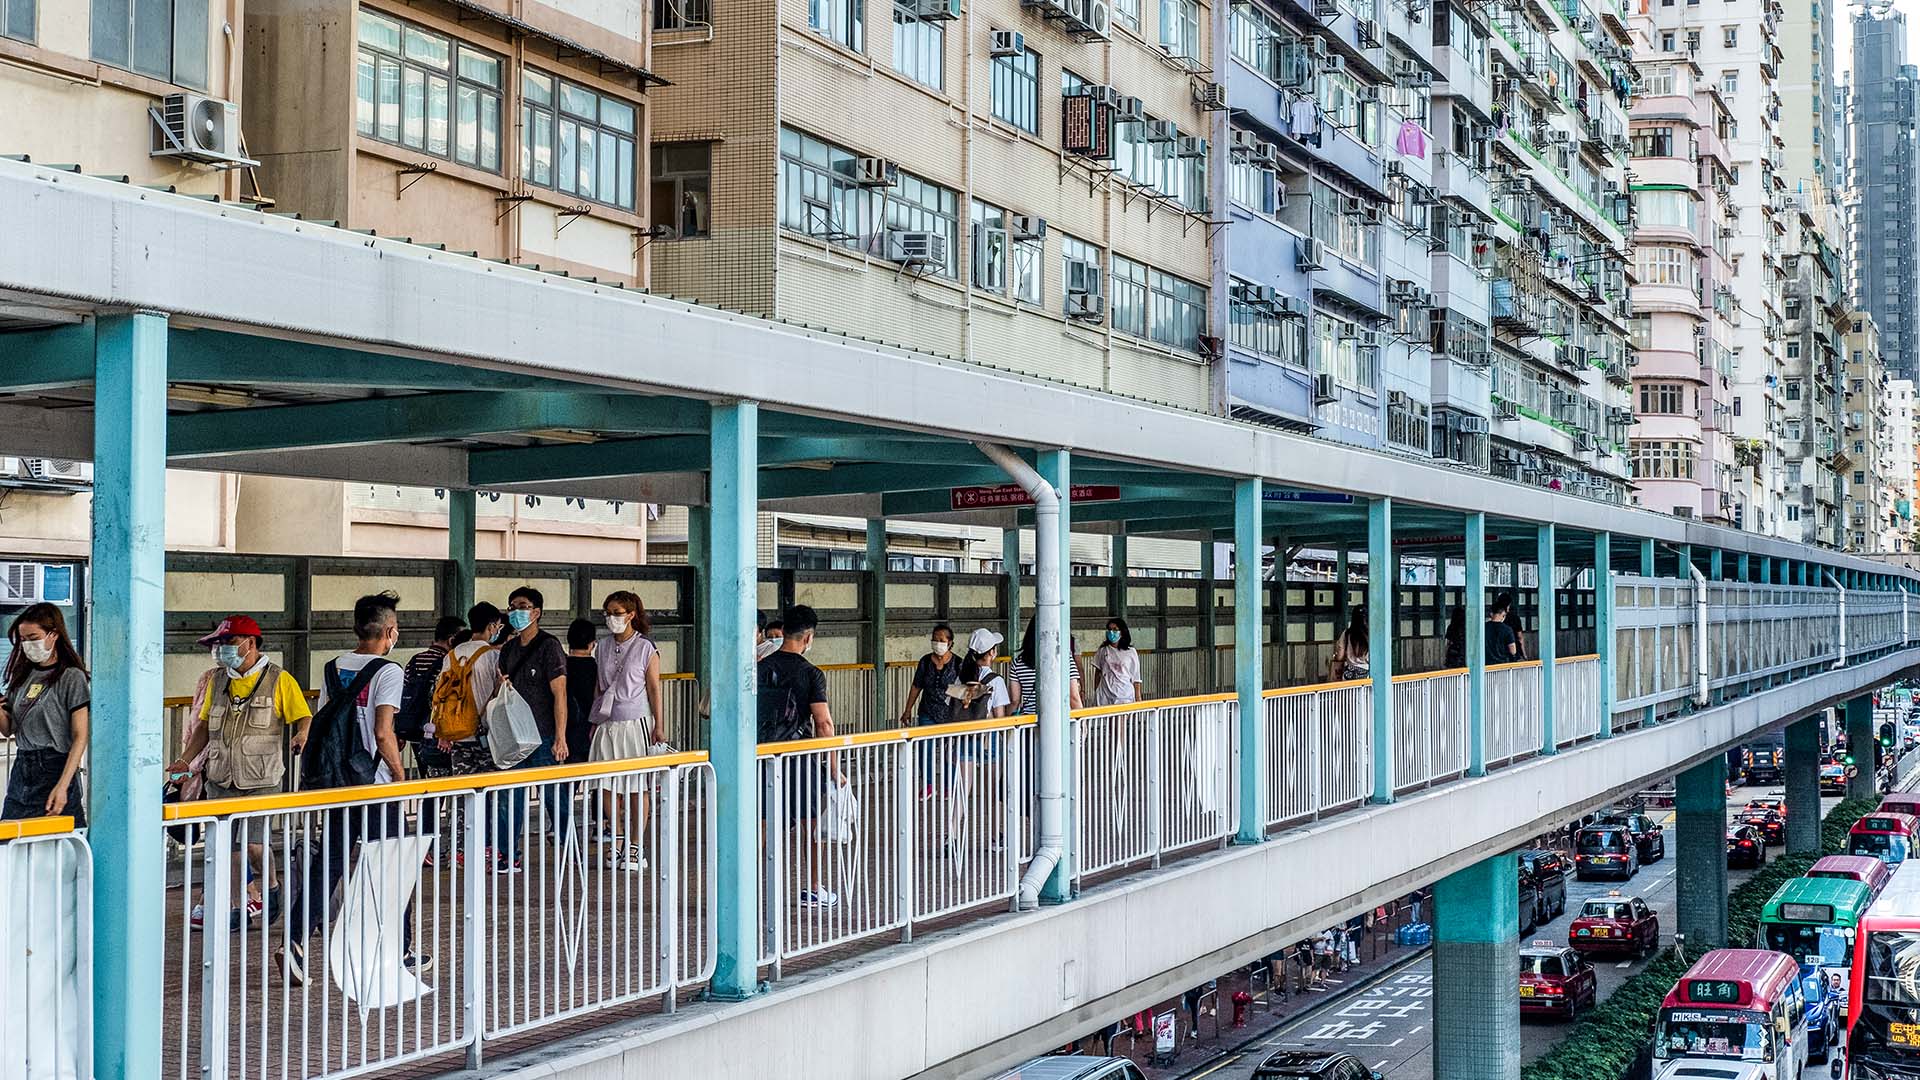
{"type": "Point", "coordinates": [1430, 714]}
{"type": "Point", "coordinates": [1152, 779]}
{"type": "Point", "coordinates": [1515, 726]}
{"type": "Point", "coordinates": [46, 951]}
{"type": "Point", "coordinates": [1576, 699]}
{"type": "Point", "coordinates": [1319, 750]}
{"type": "Point", "coordinates": [348, 932]}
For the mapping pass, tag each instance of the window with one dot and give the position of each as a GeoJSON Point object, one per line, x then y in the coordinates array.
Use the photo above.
{"type": "Point", "coordinates": [1016, 90]}
{"type": "Point", "coordinates": [1663, 265]}
{"type": "Point", "coordinates": [1127, 13]}
{"type": "Point", "coordinates": [1793, 389]}
{"type": "Point", "coordinates": [682, 184]}
{"type": "Point", "coordinates": [1180, 27]}
{"type": "Point", "coordinates": [820, 198]}
{"type": "Point", "coordinates": [425, 91]}
{"type": "Point", "coordinates": [18, 19]}
{"type": "Point", "coordinates": [1346, 233]}
{"type": "Point", "coordinates": [1337, 351]}
{"type": "Point", "coordinates": [842, 20]}
{"type": "Point", "coordinates": [1666, 41]}
{"type": "Point", "coordinates": [1693, 41]}
{"type": "Point", "coordinates": [1658, 460]}
{"type": "Point", "coordinates": [681, 15]}
{"type": "Point", "coordinates": [1080, 273]}
{"type": "Point", "coordinates": [1179, 311]}
{"type": "Point", "coordinates": [1729, 83]}
{"type": "Point", "coordinates": [913, 204]}
{"type": "Point", "coordinates": [588, 138]}
{"type": "Point", "coordinates": [919, 47]}
{"type": "Point", "coordinates": [1249, 185]}
{"type": "Point", "coordinates": [1350, 106]}
{"type": "Point", "coordinates": [1661, 399]}
{"type": "Point", "coordinates": [1653, 142]}
{"type": "Point", "coordinates": [1129, 297]}
{"type": "Point", "coordinates": [1258, 39]}
{"type": "Point", "coordinates": [1260, 329]}
{"type": "Point", "coordinates": [1664, 209]}
{"type": "Point", "coordinates": [1001, 263]}
{"type": "Point", "coordinates": [166, 39]}
{"type": "Point", "coordinates": [1731, 35]}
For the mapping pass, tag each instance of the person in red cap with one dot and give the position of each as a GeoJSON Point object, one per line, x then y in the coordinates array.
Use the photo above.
{"type": "Point", "coordinates": [250, 702]}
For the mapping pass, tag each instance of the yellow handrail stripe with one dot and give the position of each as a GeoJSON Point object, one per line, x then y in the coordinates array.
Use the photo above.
{"type": "Point", "coordinates": [1515, 664]}
{"type": "Point", "coordinates": [1310, 688]}
{"type": "Point", "coordinates": [969, 727]}
{"type": "Point", "coordinates": [844, 667]}
{"type": "Point", "coordinates": [1577, 659]}
{"type": "Point", "coordinates": [674, 675]}
{"type": "Point", "coordinates": [305, 800]}
{"type": "Point", "coordinates": [24, 828]}
{"type": "Point", "coordinates": [1156, 703]}
{"type": "Point", "coordinates": [833, 742]}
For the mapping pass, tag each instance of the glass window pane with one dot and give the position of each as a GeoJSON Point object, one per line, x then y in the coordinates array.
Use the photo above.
{"type": "Point", "coordinates": [153, 37]}
{"type": "Point", "coordinates": [20, 19]}
{"type": "Point", "coordinates": [413, 106]}
{"type": "Point", "coordinates": [625, 179]}
{"type": "Point", "coordinates": [605, 185]}
{"type": "Point", "coordinates": [479, 67]}
{"type": "Point", "coordinates": [490, 132]}
{"type": "Point", "coordinates": [537, 88]}
{"type": "Point", "coordinates": [564, 174]}
{"type": "Point", "coordinates": [584, 178]}
{"type": "Point", "coordinates": [617, 115]}
{"type": "Point", "coordinates": [429, 49]}
{"type": "Point", "coordinates": [466, 139]}
{"type": "Point", "coordinates": [437, 115]}
{"type": "Point", "coordinates": [389, 102]}
{"type": "Point", "coordinates": [577, 100]}
{"type": "Point", "coordinates": [379, 31]}
{"type": "Point", "coordinates": [664, 198]}
{"type": "Point", "coordinates": [542, 147]}
{"type": "Point", "coordinates": [190, 43]}
{"type": "Point", "coordinates": [110, 24]}
{"type": "Point", "coordinates": [363, 93]}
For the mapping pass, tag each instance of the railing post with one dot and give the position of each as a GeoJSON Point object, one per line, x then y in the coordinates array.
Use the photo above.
{"type": "Point", "coordinates": [1156, 766]}
{"type": "Point", "coordinates": [473, 955]}
{"type": "Point", "coordinates": [1012, 801]}
{"type": "Point", "coordinates": [773, 840]}
{"type": "Point", "coordinates": [880, 710]}
{"type": "Point", "coordinates": [905, 801]}
{"type": "Point", "coordinates": [1380, 634]}
{"type": "Point", "coordinates": [1547, 634]}
{"type": "Point", "coordinates": [1603, 625]}
{"type": "Point", "coordinates": [1248, 679]}
{"type": "Point", "coordinates": [1426, 712]}
{"type": "Point", "coordinates": [1313, 753]}
{"type": "Point", "coordinates": [1476, 647]}
{"type": "Point", "coordinates": [217, 907]}
{"type": "Point", "coordinates": [671, 872]}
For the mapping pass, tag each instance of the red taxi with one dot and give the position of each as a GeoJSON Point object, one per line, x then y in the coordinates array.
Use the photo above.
{"type": "Point", "coordinates": [1555, 981]}
{"type": "Point", "coordinates": [1604, 849]}
{"type": "Point", "coordinates": [1615, 923]}
{"type": "Point", "coordinates": [1864, 869]}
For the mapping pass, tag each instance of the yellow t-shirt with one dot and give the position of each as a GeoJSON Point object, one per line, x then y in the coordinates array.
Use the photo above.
{"type": "Point", "coordinates": [289, 700]}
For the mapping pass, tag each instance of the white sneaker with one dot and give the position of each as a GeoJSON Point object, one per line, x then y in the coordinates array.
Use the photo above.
{"type": "Point", "coordinates": [632, 860]}
{"type": "Point", "coordinates": [819, 898]}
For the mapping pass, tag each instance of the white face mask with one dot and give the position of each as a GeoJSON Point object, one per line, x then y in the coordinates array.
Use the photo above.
{"type": "Point", "coordinates": [39, 651]}
{"type": "Point", "coordinates": [942, 648]}
{"type": "Point", "coordinates": [617, 623]}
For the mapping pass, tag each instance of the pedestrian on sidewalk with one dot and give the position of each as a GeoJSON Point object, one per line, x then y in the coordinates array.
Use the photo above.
{"type": "Point", "coordinates": [45, 712]}
{"type": "Point", "coordinates": [1351, 657]}
{"type": "Point", "coordinates": [535, 663]}
{"type": "Point", "coordinates": [1116, 667]}
{"type": "Point", "coordinates": [627, 721]}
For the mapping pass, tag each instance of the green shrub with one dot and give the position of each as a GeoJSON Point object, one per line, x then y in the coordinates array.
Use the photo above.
{"type": "Point", "coordinates": [1606, 1041]}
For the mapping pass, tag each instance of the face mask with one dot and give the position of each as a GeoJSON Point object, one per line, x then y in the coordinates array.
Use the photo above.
{"type": "Point", "coordinates": [617, 623]}
{"type": "Point", "coordinates": [227, 656]}
{"type": "Point", "coordinates": [1113, 637]}
{"type": "Point", "coordinates": [775, 642]}
{"type": "Point", "coordinates": [520, 618]}
{"type": "Point", "coordinates": [38, 652]}
{"type": "Point", "coordinates": [807, 648]}
{"type": "Point", "coordinates": [941, 648]}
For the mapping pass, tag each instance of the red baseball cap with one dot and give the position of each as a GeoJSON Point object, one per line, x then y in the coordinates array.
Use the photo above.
{"type": "Point", "coordinates": [233, 626]}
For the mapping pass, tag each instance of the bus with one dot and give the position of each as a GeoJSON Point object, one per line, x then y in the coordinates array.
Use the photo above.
{"type": "Point", "coordinates": [1865, 869]}
{"type": "Point", "coordinates": [1900, 802]}
{"type": "Point", "coordinates": [1734, 1005]}
{"type": "Point", "coordinates": [1885, 836]}
{"type": "Point", "coordinates": [1883, 1003]}
{"type": "Point", "coordinates": [1813, 920]}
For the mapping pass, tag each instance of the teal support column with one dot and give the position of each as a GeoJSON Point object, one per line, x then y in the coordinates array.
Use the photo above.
{"type": "Point", "coordinates": [1248, 619]}
{"type": "Point", "coordinates": [1864, 784]}
{"type": "Point", "coordinates": [1056, 468]}
{"type": "Point", "coordinates": [1119, 560]}
{"type": "Point", "coordinates": [1010, 567]}
{"type": "Point", "coordinates": [699, 556]}
{"type": "Point", "coordinates": [1766, 570]}
{"type": "Point", "coordinates": [1476, 971]}
{"type": "Point", "coordinates": [1684, 560]}
{"type": "Point", "coordinates": [1207, 634]}
{"type": "Point", "coordinates": [1743, 567]}
{"type": "Point", "coordinates": [1380, 594]}
{"type": "Point", "coordinates": [128, 568]}
{"type": "Point", "coordinates": [1700, 849]}
{"type": "Point", "coordinates": [1603, 625]}
{"type": "Point", "coordinates": [1716, 564]}
{"type": "Point", "coordinates": [1545, 636]}
{"type": "Point", "coordinates": [1476, 646]}
{"type": "Point", "coordinates": [1342, 600]}
{"type": "Point", "coordinates": [882, 709]}
{"type": "Point", "coordinates": [462, 545]}
{"type": "Point", "coordinates": [1803, 786]}
{"type": "Point", "coordinates": [733, 500]}
{"type": "Point", "coordinates": [1646, 559]}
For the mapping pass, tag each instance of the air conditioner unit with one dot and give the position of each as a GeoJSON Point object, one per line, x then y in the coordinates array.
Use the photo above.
{"type": "Point", "coordinates": [1317, 48]}
{"type": "Point", "coordinates": [1162, 131]}
{"type": "Point", "coordinates": [875, 172]}
{"type": "Point", "coordinates": [1404, 70]}
{"type": "Point", "coordinates": [1310, 254]}
{"type": "Point", "coordinates": [1026, 226]}
{"type": "Point", "coordinates": [1505, 410]}
{"type": "Point", "coordinates": [1267, 156]}
{"type": "Point", "coordinates": [1191, 146]}
{"type": "Point", "coordinates": [1211, 96]}
{"type": "Point", "coordinates": [1352, 205]}
{"type": "Point", "coordinates": [1291, 307]}
{"type": "Point", "coordinates": [936, 10]}
{"type": "Point", "coordinates": [1333, 62]}
{"type": "Point", "coordinates": [1583, 440]}
{"type": "Point", "coordinates": [1619, 415]}
{"type": "Point", "coordinates": [1324, 390]}
{"type": "Point", "coordinates": [1396, 167]}
{"type": "Point", "coordinates": [1325, 9]}
{"type": "Point", "coordinates": [1396, 399]}
{"type": "Point", "coordinates": [1006, 43]}
{"type": "Point", "coordinates": [1244, 142]}
{"type": "Point", "coordinates": [1102, 95]}
{"type": "Point", "coordinates": [1130, 111]}
{"type": "Point", "coordinates": [196, 127]}
{"type": "Point", "coordinates": [1100, 18]}
{"type": "Point", "coordinates": [915, 247]}
{"type": "Point", "coordinates": [1369, 33]}
{"type": "Point", "coordinates": [21, 583]}
{"type": "Point", "coordinates": [1473, 425]}
{"type": "Point", "coordinates": [1086, 306]}
{"type": "Point", "coordinates": [1584, 24]}
{"type": "Point", "coordinates": [57, 470]}
{"type": "Point", "coordinates": [1499, 69]}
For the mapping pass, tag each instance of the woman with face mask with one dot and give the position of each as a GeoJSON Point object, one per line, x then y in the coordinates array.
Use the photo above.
{"type": "Point", "coordinates": [45, 712]}
{"type": "Point", "coordinates": [936, 671]}
{"type": "Point", "coordinates": [627, 712]}
{"type": "Point", "coordinates": [1116, 667]}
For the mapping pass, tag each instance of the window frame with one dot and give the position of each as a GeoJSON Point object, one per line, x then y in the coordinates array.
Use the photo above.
{"type": "Point", "coordinates": [456, 85]}
{"type": "Point", "coordinates": [658, 174]}
{"type": "Point", "coordinates": [682, 14]}
{"type": "Point", "coordinates": [11, 20]}
{"type": "Point", "coordinates": [843, 22]}
{"type": "Point", "coordinates": [1015, 90]}
{"type": "Point", "coordinates": [924, 61]}
{"type": "Point", "coordinates": [596, 131]}
{"type": "Point", "coordinates": [138, 22]}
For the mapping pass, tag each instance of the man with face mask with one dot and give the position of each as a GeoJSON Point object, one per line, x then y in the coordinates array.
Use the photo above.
{"type": "Point", "coordinates": [250, 701]}
{"type": "Point", "coordinates": [536, 663]}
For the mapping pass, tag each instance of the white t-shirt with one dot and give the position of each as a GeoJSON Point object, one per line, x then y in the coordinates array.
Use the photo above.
{"type": "Point", "coordinates": [385, 689]}
{"type": "Point", "coordinates": [1115, 670]}
{"type": "Point", "coordinates": [485, 672]}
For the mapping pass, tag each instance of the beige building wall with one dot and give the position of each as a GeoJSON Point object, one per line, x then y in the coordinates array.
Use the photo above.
{"type": "Point", "coordinates": [39, 524]}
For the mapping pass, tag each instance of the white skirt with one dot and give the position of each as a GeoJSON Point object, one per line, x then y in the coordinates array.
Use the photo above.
{"type": "Point", "coordinates": [621, 740]}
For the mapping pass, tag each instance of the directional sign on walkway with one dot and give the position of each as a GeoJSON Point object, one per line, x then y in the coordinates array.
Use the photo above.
{"type": "Point", "coordinates": [1300, 495]}
{"type": "Point", "coordinates": [986, 498]}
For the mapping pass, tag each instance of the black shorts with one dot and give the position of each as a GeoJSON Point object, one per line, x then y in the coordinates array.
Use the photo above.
{"type": "Point", "coordinates": [806, 783]}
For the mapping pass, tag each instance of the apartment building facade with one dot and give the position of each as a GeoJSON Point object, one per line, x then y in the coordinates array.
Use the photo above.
{"type": "Point", "coordinates": [1873, 519]}
{"type": "Point", "coordinates": [1885, 175]}
{"type": "Point", "coordinates": [1685, 313]}
{"type": "Point", "coordinates": [1900, 463]}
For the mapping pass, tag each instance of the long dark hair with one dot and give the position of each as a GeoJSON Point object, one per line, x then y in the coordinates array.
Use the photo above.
{"type": "Point", "coordinates": [48, 618]}
{"type": "Point", "coordinates": [1126, 635]}
{"type": "Point", "coordinates": [1357, 631]}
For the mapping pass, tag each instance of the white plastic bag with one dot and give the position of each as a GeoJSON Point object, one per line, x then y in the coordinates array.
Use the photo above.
{"type": "Point", "coordinates": [838, 811]}
{"type": "Point", "coordinates": [511, 732]}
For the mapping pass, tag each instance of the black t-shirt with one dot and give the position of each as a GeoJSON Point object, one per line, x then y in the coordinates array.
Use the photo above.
{"type": "Point", "coordinates": [583, 676]}
{"type": "Point", "coordinates": [935, 707]}
{"type": "Point", "coordinates": [1500, 639]}
{"type": "Point", "coordinates": [789, 688]}
{"type": "Point", "coordinates": [533, 668]}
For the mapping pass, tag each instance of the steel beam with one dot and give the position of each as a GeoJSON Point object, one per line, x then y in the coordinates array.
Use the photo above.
{"type": "Point", "coordinates": [51, 359]}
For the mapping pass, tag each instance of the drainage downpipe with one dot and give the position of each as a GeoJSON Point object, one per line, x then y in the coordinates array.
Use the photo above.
{"type": "Point", "coordinates": [1842, 662]}
{"type": "Point", "coordinates": [1049, 666]}
{"type": "Point", "coordinates": [1701, 696]}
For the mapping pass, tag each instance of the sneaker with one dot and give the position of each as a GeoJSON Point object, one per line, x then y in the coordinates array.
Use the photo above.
{"type": "Point", "coordinates": [198, 919]}
{"type": "Point", "coordinates": [293, 961]}
{"type": "Point", "coordinates": [632, 860]}
{"type": "Point", "coordinates": [819, 898]}
{"type": "Point", "coordinates": [255, 907]}
{"type": "Point", "coordinates": [504, 865]}
{"type": "Point", "coordinates": [418, 964]}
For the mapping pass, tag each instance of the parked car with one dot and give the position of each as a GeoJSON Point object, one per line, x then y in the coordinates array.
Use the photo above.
{"type": "Point", "coordinates": [1613, 924]}
{"type": "Point", "coordinates": [1649, 838]}
{"type": "Point", "coordinates": [1746, 848]}
{"type": "Point", "coordinates": [1549, 871]}
{"type": "Point", "coordinates": [1313, 1065]}
{"type": "Point", "coordinates": [1556, 981]}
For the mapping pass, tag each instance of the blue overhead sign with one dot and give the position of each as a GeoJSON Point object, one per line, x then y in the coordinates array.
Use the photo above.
{"type": "Point", "coordinates": [1298, 495]}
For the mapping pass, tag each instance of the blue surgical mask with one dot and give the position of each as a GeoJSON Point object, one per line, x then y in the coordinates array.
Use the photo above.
{"type": "Point", "coordinates": [1113, 637]}
{"type": "Point", "coordinates": [227, 656]}
{"type": "Point", "coordinates": [520, 618]}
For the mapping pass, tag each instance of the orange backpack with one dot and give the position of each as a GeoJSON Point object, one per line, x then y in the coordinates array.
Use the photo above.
{"type": "Point", "coordinates": [456, 715]}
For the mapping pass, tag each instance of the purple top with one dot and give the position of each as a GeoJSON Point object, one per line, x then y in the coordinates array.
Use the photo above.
{"type": "Point", "coordinates": [623, 679]}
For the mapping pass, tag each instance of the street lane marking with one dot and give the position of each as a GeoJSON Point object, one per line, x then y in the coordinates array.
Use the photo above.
{"type": "Point", "coordinates": [1217, 1068]}
{"type": "Point", "coordinates": [1624, 964]}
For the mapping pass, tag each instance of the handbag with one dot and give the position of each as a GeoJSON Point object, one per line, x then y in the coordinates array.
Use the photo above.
{"type": "Point", "coordinates": [837, 814]}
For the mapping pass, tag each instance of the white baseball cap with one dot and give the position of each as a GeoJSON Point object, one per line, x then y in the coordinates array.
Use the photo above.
{"type": "Point", "coordinates": [983, 639]}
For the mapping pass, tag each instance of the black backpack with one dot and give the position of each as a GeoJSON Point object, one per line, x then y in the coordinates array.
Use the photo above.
{"type": "Point", "coordinates": [784, 713]}
{"type": "Point", "coordinates": [416, 700]}
{"type": "Point", "coordinates": [335, 756]}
